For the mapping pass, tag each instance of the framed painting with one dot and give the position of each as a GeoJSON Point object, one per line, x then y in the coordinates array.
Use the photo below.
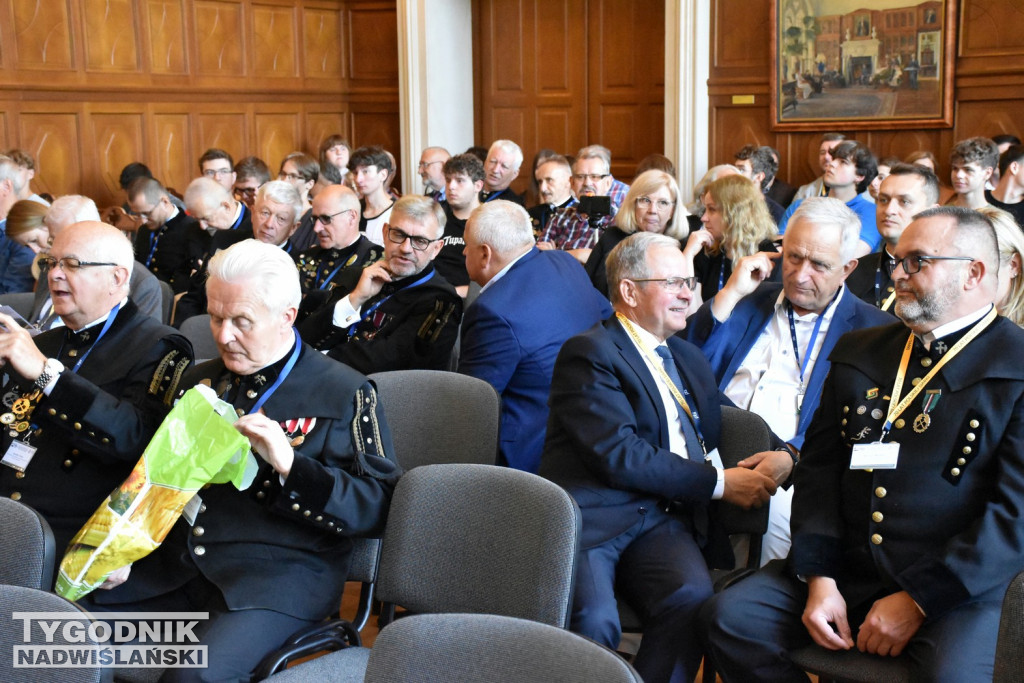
{"type": "Point", "coordinates": [860, 64]}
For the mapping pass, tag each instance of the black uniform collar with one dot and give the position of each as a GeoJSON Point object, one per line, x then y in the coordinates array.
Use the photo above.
{"type": "Point", "coordinates": [242, 391]}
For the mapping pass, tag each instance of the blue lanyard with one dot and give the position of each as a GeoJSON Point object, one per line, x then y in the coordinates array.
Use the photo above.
{"type": "Point", "coordinates": [332, 274]}
{"type": "Point", "coordinates": [154, 240]}
{"type": "Point", "coordinates": [285, 371]}
{"type": "Point", "coordinates": [369, 311]}
{"type": "Point", "coordinates": [106, 326]}
{"type": "Point", "coordinates": [814, 335]}
{"type": "Point", "coordinates": [241, 215]}
{"type": "Point", "coordinates": [495, 195]}
{"type": "Point", "coordinates": [878, 279]}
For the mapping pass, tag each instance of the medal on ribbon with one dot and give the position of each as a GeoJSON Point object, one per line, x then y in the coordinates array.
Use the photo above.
{"type": "Point", "coordinates": [924, 420]}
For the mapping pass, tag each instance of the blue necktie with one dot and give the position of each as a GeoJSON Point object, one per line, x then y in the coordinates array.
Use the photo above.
{"type": "Point", "coordinates": [693, 448]}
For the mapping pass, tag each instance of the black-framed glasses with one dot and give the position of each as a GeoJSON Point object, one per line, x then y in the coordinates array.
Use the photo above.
{"type": "Point", "coordinates": [216, 172]}
{"type": "Point", "coordinates": [592, 177]}
{"type": "Point", "coordinates": [418, 243]}
{"type": "Point", "coordinates": [326, 218]}
{"type": "Point", "coordinates": [69, 264]}
{"type": "Point", "coordinates": [672, 285]}
{"type": "Point", "coordinates": [912, 264]}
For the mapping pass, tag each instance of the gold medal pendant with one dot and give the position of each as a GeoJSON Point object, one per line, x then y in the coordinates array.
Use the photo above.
{"type": "Point", "coordinates": [21, 426]}
{"type": "Point", "coordinates": [20, 406]}
{"type": "Point", "coordinates": [922, 422]}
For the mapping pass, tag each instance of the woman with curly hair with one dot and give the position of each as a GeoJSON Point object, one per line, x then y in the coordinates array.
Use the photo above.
{"type": "Point", "coordinates": [652, 204]}
{"type": "Point", "coordinates": [1010, 294]}
{"type": "Point", "coordinates": [736, 224]}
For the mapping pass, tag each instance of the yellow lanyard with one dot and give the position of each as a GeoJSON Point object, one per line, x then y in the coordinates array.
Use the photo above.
{"type": "Point", "coordinates": [658, 364]}
{"type": "Point", "coordinates": [888, 302]}
{"type": "Point", "coordinates": [897, 406]}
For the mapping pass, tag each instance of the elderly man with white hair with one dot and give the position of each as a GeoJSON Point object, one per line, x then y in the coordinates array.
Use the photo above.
{"type": "Point", "coordinates": [269, 560]}
{"type": "Point", "coordinates": [81, 403]}
{"type": "Point", "coordinates": [502, 167]}
{"type": "Point", "coordinates": [143, 287]}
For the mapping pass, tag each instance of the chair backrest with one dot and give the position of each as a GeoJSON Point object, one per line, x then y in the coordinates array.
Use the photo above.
{"type": "Point", "coordinates": [469, 648]}
{"type": "Point", "coordinates": [439, 417]}
{"type": "Point", "coordinates": [20, 599]}
{"type": "Point", "coordinates": [20, 301]}
{"type": "Point", "coordinates": [197, 330]}
{"type": "Point", "coordinates": [482, 539]}
{"type": "Point", "coordinates": [1010, 645]}
{"type": "Point", "coordinates": [26, 546]}
{"type": "Point", "coordinates": [743, 434]}
{"type": "Point", "coordinates": [167, 302]}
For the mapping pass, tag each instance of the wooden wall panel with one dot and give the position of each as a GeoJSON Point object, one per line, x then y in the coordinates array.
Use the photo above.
{"type": "Point", "coordinates": [119, 141]}
{"type": "Point", "coordinates": [220, 39]}
{"type": "Point", "coordinates": [172, 152]}
{"type": "Point", "coordinates": [42, 34]}
{"type": "Point", "coordinates": [322, 41]}
{"type": "Point", "coordinates": [988, 88]}
{"type": "Point", "coordinates": [562, 74]}
{"type": "Point", "coordinates": [94, 84]}
{"type": "Point", "coordinates": [371, 25]}
{"type": "Point", "coordinates": [277, 135]}
{"type": "Point", "coordinates": [274, 41]}
{"type": "Point", "coordinates": [53, 139]}
{"type": "Point", "coordinates": [110, 37]}
{"type": "Point", "coordinates": [166, 37]}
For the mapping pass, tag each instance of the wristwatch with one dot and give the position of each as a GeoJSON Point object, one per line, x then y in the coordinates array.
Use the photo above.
{"type": "Point", "coordinates": [51, 368]}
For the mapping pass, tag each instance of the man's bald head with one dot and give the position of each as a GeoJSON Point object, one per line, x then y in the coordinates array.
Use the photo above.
{"type": "Point", "coordinates": [92, 272]}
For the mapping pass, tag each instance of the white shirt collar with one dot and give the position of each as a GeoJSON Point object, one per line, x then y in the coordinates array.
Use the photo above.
{"type": "Point", "coordinates": [501, 273]}
{"type": "Point", "coordinates": [829, 311]}
{"type": "Point", "coordinates": [954, 326]}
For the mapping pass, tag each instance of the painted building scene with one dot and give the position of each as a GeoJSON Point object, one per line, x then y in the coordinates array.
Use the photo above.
{"type": "Point", "coordinates": [838, 58]}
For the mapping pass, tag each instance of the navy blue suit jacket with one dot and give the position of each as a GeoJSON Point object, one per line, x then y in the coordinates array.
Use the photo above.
{"type": "Point", "coordinates": [511, 336]}
{"type": "Point", "coordinates": [726, 344]}
{"type": "Point", "coordinates": [607, 440]}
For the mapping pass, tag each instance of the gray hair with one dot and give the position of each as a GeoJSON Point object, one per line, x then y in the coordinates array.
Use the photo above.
{"type": "Point", "coordinates": [510, 147]}
{"type": "Point", "coordinates": [628, 260]}
{"type": "Point", "coordinates": [503, 226]}
{"type": "Point", "coordinates": [10, 170]}
{"type": "Point", "coordinates": [830, 211]}
{"type": "Point", "coordinates": [975, 236]}
{"type": "Point", "coordinates": [420, 209]}
{"type": "Point", "coordinates": [596, 152]}
{"type": "Point", "coordinates": [269, 271]}
{"type": "Point", "coordinates": [71, 208]}
{"type": "Point", "coordinates": [281, 192]}
{"type": "Point", "coordinates": [696, 207]}
{"type": "Point", "coordinates": [206, 192]}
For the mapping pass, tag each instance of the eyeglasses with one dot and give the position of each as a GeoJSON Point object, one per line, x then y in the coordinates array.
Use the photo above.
{"type": "Point", "coordinates": [418, 243]}
{"type": "Point", "coordinates": [327, 218]}
{"type": "Point", "coordinates": [216, 172]}
{"type": "Point", "coordinates": [69, 264]}
{"type": "Point", "coordinates": [426, 164]}
{"type": "Point", "coordinates": [290, 176]}
{"type": "Point", "coordinates": [592, 177]}
{"type": "Point", "coordinates": [672, 285]}
{"type": "Point", "coordinates": [661, 204]}
{"type": "Point", "coordinates": [912, 264]}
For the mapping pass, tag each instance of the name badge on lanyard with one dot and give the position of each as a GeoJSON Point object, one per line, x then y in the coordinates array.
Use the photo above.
{"type": "Point", "coordinates": [19, 454]}
{"type": "Point", "coordinates": [874, 456]}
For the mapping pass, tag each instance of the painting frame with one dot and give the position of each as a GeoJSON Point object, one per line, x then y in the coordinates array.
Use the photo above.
{"type": "Point", "coordinates": [871, 65]}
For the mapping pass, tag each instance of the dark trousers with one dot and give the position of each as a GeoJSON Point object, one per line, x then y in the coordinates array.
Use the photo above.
{"type": "Point", "coordinates": [236, 640]}
{"type": "Point", "coordinates": [752, 626]}
{"type": "Point", "coordinates": [659, 570]}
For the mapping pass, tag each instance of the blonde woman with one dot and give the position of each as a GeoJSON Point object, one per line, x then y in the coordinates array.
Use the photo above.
{"type": "Point", "coordinates": [1010, 294]}
{"type": "Point", "coordinates": [652, 204]}
{"type": "Point", "coordinates": [736, 224]}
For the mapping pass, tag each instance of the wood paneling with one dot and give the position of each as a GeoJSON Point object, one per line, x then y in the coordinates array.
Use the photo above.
{"type": "Point", "coordinates": [110, 36]}
{"type": "Point", "coordinates": [562, 74]}
{"type": "Point", "coordinates": [988, 88]}
{"type": "Point", "coordinates": [92, 85]}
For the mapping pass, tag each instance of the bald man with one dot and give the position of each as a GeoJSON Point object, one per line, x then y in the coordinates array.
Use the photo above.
{"type": "Point", "coordinates": [81, 403]}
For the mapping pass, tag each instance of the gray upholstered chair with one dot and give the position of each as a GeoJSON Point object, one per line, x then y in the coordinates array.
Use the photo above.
{"type": "Point", "coordinates": [166, 302]}
{"type": "Point", "coordinates": [197, 330]}
{"type": "Point", "coordinates": [486, 648]}
{"type": "Point", "coordinates": [469, 538]}
{"type": "Point", "coordinates": [1010, 646]}
{"type": "Point", "coordinates": [26, 546]}
{"type": "Point", "coordinates": [439, 417]}
{"type": "Point", "coordinates": [20, 599]}
{"type": "Point", "coordinates": [20, 301]}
